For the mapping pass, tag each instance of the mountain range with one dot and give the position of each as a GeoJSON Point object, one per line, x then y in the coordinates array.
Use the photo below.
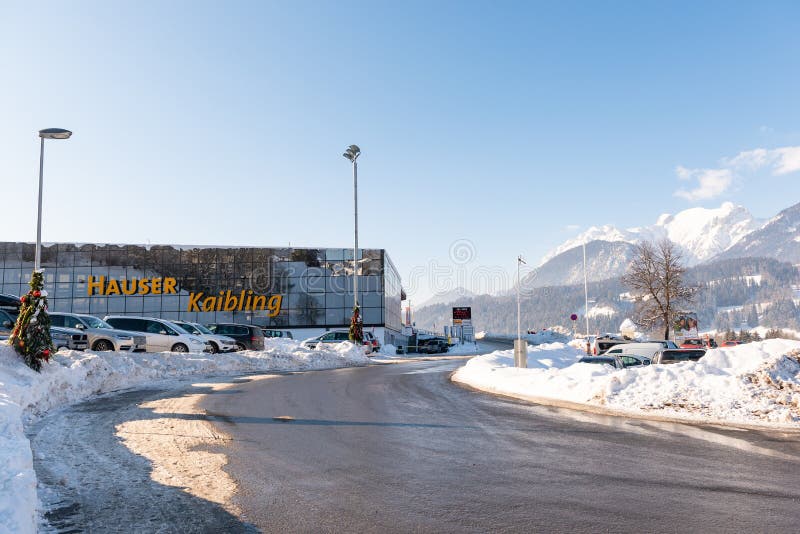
{"type": "Point", "coordinates": [748, 266]}
{"type": "Point", "coordinates": [702, 235]}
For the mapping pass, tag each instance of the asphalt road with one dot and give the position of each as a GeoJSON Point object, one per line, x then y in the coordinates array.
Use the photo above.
{"type": "Point", "coordinates": [398, 448]}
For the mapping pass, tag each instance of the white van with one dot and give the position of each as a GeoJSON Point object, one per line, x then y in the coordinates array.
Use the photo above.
{"type": "Point", "coordinates": [640, 349]}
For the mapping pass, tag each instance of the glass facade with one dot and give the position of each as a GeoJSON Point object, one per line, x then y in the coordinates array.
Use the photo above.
{"type": "Point", "coordinates": [278, 287]}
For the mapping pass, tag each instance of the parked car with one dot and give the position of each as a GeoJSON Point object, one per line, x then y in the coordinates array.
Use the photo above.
{"type": "Point", "coordinates": [612, 360]}
{"type": "Point", "coordinates": [10, 303]}
{"type": "Point", "coordinates": [334, 336]}
{"type": "Point", "coordinates": [69, 338]}
{"type": "Point", "coordinates": [679, 355]}
{"type": "Point", "coordinates": [246, 336]}
{"type": "Point", "coordinates": [432, 346]}
{"type": "Point", "coordinates": [642, 349]}
{"type": "Point", "coordinates": [603, 343]}
{"type": "Point", "coordinates": [731, 343]}
{"type": "Point", "coordinates": [217, 342]}
{"type": "Point", "coordinates": [6, 323]}
{"type": "Point", "coordinates": [697, 343]}
{"type": "Point", "coordinates": [635, 360]}
{"type": "Point", "coordinates": [372, 341]}
{"type": "Point", "coordinates": [102, 336]}
{"type": "Point", "coordinates": [160, 335]}
{"type": "Point", "coordinates": [666, 343]}
{"type": "Point", "coordinates": [277, 333]}
{"type": "Point", "coordinates": [618, 361]}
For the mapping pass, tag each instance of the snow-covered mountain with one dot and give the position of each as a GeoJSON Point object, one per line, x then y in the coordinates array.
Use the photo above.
{"type": "Point", "coordinates": [778, 238]}
{"type": "Point", "coordinates": [702, 233]}
{"type": "Point", "coordinates": [448, 297]}
{"type": "Point", "coordinates": [604, 260]}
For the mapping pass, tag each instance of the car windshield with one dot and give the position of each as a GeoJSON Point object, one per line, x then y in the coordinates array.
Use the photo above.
{"type": "Point", "coordinates": [189, 327]}
{"type": "Point", "coordinates": [94, 322]}
{"type": "Point", "coordinates": [179, 328]}
{"type": "Point", "coordinates": [202, 328]}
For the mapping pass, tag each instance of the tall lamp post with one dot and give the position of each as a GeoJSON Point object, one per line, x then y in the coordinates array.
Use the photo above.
{"type": "Point", "coordinates": [520, 348]}
{"type": "Point", "coordinates": [586, 291]}
{"type": "Point", "coordinates": [352, 154]}
{"type": "Point", "coordinates": [49, 133]}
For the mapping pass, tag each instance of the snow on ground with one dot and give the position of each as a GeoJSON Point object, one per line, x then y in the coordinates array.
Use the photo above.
{"type": "Point", "coordinates": [73, 376]}
{"type": "Point", "coordinates": [600, 311]}
{"type": "Point", "coordinates": [756, 383]}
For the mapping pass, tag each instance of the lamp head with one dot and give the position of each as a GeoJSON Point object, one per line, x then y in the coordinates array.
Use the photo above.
{"type": "Point", "coordinates": [54, 133]}
{"type": "Point", "coordinates": [352, 153]}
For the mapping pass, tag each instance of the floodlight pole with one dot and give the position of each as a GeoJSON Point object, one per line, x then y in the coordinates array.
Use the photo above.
{"type": "Point", "coordinates": [355, 244]}
{"type": "Point", "coordinates": [519, 307]}
{"type": "Point", "coordinates": [49, 133]}
{"type": "Point", "coordinates": [37, 263]}
{"type": "Point", "coordinates": [520, 349]}
{"type": "Point", "coordinates": [586, 290]}
{"type": "Point", "coordinates": [352, 154]}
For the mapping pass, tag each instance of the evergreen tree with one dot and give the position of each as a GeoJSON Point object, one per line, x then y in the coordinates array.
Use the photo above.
{"type": "Point", "coordinates": [31, 334]}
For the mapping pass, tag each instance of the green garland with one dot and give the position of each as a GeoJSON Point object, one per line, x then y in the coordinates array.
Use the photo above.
{"type": "Point", "coordinates": [31, 334]}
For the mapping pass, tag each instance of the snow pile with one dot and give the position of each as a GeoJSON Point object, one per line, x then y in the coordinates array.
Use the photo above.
{"type": "Point", "coordinates": [600, 311]}
{"type": "Point", "coordinates": [72, 376]}
{"type": "Point", "coordinates": [757, 383]}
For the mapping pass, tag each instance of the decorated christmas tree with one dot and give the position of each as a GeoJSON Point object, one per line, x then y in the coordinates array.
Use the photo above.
{"type": "Point", "coordinates": [356, 328]}
{"type": "Point", "coordinates": [31, 335]}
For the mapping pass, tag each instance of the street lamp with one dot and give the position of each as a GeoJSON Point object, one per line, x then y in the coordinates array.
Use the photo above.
{"type": "Point", "coordinates": [48, 133]}
{"type": "Point", "coordinates": [520, 349]}
{"type": "Point", "coordinates": [352, 154]}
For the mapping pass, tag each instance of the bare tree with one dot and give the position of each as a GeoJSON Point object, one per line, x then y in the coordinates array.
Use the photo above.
{"type": "Point", "coordinates": [656, 278]}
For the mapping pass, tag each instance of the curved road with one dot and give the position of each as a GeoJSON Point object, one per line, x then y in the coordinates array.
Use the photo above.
{"type": "Point", "coordinates": [391, 448]}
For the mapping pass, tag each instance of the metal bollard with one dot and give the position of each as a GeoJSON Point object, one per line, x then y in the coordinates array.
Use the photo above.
{"type": "Point", "coordinates": [520, 353]}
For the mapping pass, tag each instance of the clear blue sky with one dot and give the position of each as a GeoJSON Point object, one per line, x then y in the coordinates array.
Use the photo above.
{"type": "Point", "coordinates": [498, 123]}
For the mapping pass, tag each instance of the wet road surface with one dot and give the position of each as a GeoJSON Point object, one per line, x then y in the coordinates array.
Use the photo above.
{"type": "Point", "coordinates": [398, 448]}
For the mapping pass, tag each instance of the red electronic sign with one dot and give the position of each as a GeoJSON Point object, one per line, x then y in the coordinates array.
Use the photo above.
{"type": "Point", "coordinates": [462, 313]}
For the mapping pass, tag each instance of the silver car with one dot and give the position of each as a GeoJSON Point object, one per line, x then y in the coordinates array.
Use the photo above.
{"type": "Point", "coordinates": [218, 343]}
{"type": "Point", "coordinates": [160, 335]}
{"type": "Point", "coordinates": [68, 338]}
{"type": "Point", "coordinates": [102, 336]}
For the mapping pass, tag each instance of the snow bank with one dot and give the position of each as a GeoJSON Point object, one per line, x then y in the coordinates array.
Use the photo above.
{"type": "Point", "coordinates": [72, 376]}
{"type": "Point", "coordinates": [757, 383]}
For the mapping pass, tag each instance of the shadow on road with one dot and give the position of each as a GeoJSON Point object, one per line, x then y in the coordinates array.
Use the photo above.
{"type": "Point", "coordinates": [89, 481]}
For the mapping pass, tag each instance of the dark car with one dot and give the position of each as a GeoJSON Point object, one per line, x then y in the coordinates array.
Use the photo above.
{"type": "Point", "coordinates": [613, 361]}
{"type": "Point", "coordinates": [10, 303]}
{"type": "Point", "coordinates": [7, 321]}
{"type": "Point", "coordinates": [432, 346]}
{"type": "Point", "coordinates": [277, 333]}
{"type": "Point", "coordinates": [247, 337]}
{"type": "Point", "coordinates": [679, 355]}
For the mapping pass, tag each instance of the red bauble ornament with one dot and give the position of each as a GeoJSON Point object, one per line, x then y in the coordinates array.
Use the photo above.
{"type": "Point", "coordinates": [22, 299]}
{"type": "Point", "coordinates": [37, 293]}
{"type": "Point", "coordinates": [46, 353]}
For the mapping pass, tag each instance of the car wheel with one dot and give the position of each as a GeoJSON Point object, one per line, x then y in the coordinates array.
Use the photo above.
{"type": "Point", "coordinates": [180, 347]}
{"type": "Point", "coordinates": [103, 345]}
{"type": "Point", "coordinates": [214, 348]}
{"type": "Point", "coordinates": [240, 346]}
